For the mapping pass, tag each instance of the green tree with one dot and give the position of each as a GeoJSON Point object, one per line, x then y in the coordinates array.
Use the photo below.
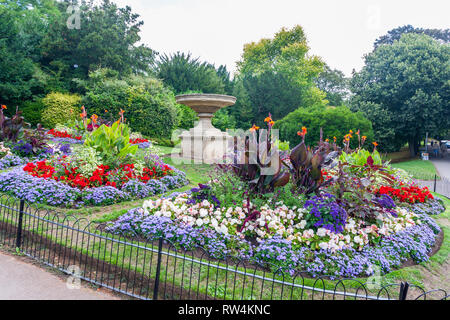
{"type": "Point", "coordinates": [334, 121]}
{"type": "Point", "coordinates": [404, 90]}
{"type": "Point", "coordinates": [108, 38]}
{"type": "Point", "coordinates": [277, 76]}
{"type": "Point", "coordinates": [184, 74]}
{"type": "Point", "coordinates": [334, 83]}
{"type": "Point", "coordinates": [396, 34]}
{"type": "Point", "coordinates": [16, 69]}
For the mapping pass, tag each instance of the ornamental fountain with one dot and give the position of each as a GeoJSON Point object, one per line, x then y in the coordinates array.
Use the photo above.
{"type": "Point", "coordinates": [204, 142]}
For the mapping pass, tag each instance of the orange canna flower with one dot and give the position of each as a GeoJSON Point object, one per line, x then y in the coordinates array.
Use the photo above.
{"type": "Point", "coordinates": [94, 118]}
{"type": "Point", "coordinates": [268, 119]}
{"type": "Point", "coordinates": [364, 137]}
{"type": "Point", "coordinates": [106, 111]}
{"type": "Point", "coordinates": [335, 139]}
{"type": "Point", "coordinates": [351, 131]}
{"type": "Point", "coordinates": [254, 128]}
{"type": "Point", "coordinates": [4, 107]}
{"type": "Point", "coordinates": [303, 132]}
{"type": "Point", "coordinates": [327, 140]}
{"type": "Point", "coordinates": [375, 144]}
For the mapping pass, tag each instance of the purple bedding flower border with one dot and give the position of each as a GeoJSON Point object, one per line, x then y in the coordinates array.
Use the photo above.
{"type": "Point", "coordinates": [20, 184]}
{"type": "Point", "coordinates": [280, 255]}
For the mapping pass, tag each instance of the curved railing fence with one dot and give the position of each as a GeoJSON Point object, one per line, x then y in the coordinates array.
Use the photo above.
{"type": "Point", "coordinates": [159, 270]}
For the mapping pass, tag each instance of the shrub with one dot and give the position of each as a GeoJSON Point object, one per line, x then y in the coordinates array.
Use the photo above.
{"type": "Point", "coordinates": [335, 122]}
{"type": "Point", "coordinates": [59, 108]}
{"type": "Point", "coordinates": [32, 111]}
{"type": "Point", "coordinates": [186, 117]}
{"type": "Point", "coordinates": [150, 108]}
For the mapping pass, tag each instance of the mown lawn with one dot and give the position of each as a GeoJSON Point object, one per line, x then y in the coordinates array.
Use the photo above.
{"type": "Point", "coordinates": [419, 169]}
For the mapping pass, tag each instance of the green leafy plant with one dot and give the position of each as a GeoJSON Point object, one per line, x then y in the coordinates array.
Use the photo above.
{"type": "Point", "coordinates": [113, 143]}
{"type": "Point", "coordinates": [59, 108]}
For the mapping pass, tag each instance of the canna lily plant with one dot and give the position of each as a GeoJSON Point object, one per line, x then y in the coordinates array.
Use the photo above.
{"type": "Point", "coordinates": [112, 142]}
{"type": "Point", "coordinates": [306, 165]}
{"type": "Point", "coordinates": [10, 128]}
{"type": "Point", "coordinates": [260, 163]}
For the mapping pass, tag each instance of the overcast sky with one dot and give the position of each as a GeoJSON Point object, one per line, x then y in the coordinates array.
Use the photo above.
{"type": "Point", "coordinates": [340, 31]}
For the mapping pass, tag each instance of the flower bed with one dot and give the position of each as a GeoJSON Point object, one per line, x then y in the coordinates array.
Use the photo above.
{"type": "Point", "coordinates": [34, 189]}
{"type": "Point", "coordinates": [353, 253]}
{"type": "Point", "coordinates": [322, 210]}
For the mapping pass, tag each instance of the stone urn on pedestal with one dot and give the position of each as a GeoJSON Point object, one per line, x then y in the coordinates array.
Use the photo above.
{"type": "Point", "coordinates": [204, 142]}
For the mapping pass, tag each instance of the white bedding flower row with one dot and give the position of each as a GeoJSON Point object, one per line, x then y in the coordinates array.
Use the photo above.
{"type": "Point", "coordinates": [290, 223]}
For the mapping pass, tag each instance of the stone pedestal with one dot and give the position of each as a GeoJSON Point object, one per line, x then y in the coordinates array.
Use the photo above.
{"type": "Point", "coordinates": [204, 143]}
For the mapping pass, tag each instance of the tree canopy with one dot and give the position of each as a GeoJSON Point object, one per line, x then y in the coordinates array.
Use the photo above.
{"type": "Point", "coordinates": [404, 90]}
{"type": "Point", "coordinates": [183, 73]}
{"type": "Point", "coordinates": [275, 76]}
{"type": "Point", "coordinates": [395, 34]}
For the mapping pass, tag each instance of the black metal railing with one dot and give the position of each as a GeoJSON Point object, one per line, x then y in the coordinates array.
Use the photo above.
{"type": "Point", "coordinates": [440, 185]}
{"type": "Point", "coordinates": [159, 270]}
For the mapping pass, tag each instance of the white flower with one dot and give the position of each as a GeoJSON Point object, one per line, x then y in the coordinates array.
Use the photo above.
{"type": "Point", "coordinates": [324, 245]}
{"type": "Point", "coordinates": [199, 222]}
{"type": "Point", "coordinates": [302, 224]}
{"type": "Point", "coordinates": [321, 232]}
{"type": "Point", "coordinates": [203, 212]}
{"type": "Point", "coordinates": [214, 223]}
{"type": "Point", "coordinates": [224, 229]}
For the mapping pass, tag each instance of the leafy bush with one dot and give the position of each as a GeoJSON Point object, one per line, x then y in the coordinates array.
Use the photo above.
{"type": "Point", "coordinates": [186, 117]}
{"type": "Point", "coordinates": [223, 121]}
{"type": "Point", "coordinates": [113, 142]}
{"type": "Point", "coordinates": [150, 108]}
{"type": "Point", "coordinates": [59, 108]}
{"type": "Point", "coordinates": [335, 122]}
{"type": "Point", "coordinates": [32, 111]}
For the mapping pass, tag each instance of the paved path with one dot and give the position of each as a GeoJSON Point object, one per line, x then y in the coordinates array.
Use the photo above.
{"type": "Point", "coordinates": [442, 185]}
{"type": "Point", "coordinates": [24, 281]}
{"type": "Point", "coordinates": [443, 167]}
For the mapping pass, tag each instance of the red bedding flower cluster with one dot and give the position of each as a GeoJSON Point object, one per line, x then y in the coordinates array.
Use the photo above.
{"type": "Point", "coordinates": [137, 141]}
{"type": "Point", "coordinates": [411, 194]}
{"type": "Point", "coordinates": [63, 134]}
{"type": "Point", "coordinates": [325, 175]}
{"type": "Point", "coordinates": [102, 176]}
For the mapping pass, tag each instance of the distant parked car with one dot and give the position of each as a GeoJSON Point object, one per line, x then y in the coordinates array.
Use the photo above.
{"type": "Point", "coordinates": [447, 143]}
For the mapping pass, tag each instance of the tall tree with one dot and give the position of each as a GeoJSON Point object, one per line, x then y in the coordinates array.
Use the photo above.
{"type": "Point", "coordinates": [107, 38]}
{"type": "Point", "coordinates": [404, 89]}
{"type": "Point", "coordinates": [183, 73]}
{"type": "Point", "coordinates": [277, 76]}
{"type": "Point", "coordinates": [16, 68]}
{"type": "Point", "coordinates": [334, 83]}
{"type": "Point", "coordinates": [395, 34]}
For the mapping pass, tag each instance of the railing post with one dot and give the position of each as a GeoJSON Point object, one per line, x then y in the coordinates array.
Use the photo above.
{"type": "Point", "coordinates": [19, 226]}
{"type": "Point", "coordinates": [158, 269]}
{"type": "Point", "coordinates": [435, 178]}
{"type": "Point", "coordinates": [404, 286]}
